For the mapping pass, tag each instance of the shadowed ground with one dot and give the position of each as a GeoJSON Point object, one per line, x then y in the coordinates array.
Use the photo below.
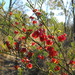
{"type": "Point", "coordinates": [6, 65]}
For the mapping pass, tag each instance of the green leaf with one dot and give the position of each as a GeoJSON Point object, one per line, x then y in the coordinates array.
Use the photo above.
{"type": "Point", "coordinates": [20, 35]}
{"type": "Point", "coordinates": [10, 38]}
{"type": "Point", "coordinates": [3, 3]}
{"type": "Point", "coordinates": [72, 44]}
{"type": "Point", "coordinates": [73, 73]}
{"type": "Point", "coordinates": [17, 15]}
{"type": "Point", "coordinates": [20, 71]}
{"type": "Point", "coordinates": [3, 46]}
{"type": "Point", "coordinates": [45, 54]}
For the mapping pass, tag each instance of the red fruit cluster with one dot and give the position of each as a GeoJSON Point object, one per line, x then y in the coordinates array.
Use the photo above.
{"type": "Point", "coordinates": [40, 24]}
{"type": "Point", "coordinates": [72, 62]}
{"type": "Point", "coordinates": [16, 32]}
{"type": "Point", "coordinates": [34, 22]}
{"type": "Point", "coordinates": [38, 33]}
{"type": "Point", "coordinates": [29, 30]}
{"type": "Point", "coordinates": [8, 44]}
{"type": "Point", "coordinates": [31, 17]}
{"type": "Point", "coordinates": [35, 10]}
{"type": "Point", "coordinates": [49, 42]}
{"type": "Point", "coordinates": [51, 51]}
{"type": "Point", "coordinates": [33, 43]}
{"type": "Point", "coordinates": [16, 67]}
{"type": "Point", "coordinates": [20, 38]}
{"type": "Point", "coordinates": [38, 13]}
{"type": "Point", "coordinates": [23, 50]}
{"type": "Point", "coordinates": [10, 13]}
{"type": "Point", "coordinates": [53, 60]}
{"type": "Point", "coordinates": [29, 66]}
{"type": "Point", "coordinates": [43, 38]}
{"type": "Point", "coordinates": [57, 68]}
{"type": "Point", "coordinates": [51, 37]}
{"type": "Point", "coordinates": [40, 57]}
{"type": "Point", "coordinates": [65, 34]}
{"type": "Point", "coordinates": [49, 48]}
{"type": "Point", "coordinates": [25, 60]}
{"type": "Point", "coordinates": [16, 45]}
{"type": "Point", "coordinates": [30, 54]}
{"type": "Point", "coordinates": [39, 48]}
{"type": "Point", "coordinates": [24, 30]}
{"type": "Point", "coordinates": [17, 23]}
{"type": "Point", "coordinates": [62, 37]}
{"type": "Point", "coordinates": [23, 37]}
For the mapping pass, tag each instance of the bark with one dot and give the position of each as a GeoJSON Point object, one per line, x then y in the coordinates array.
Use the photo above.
{"type": "Point", "coordinates": [73, 16]}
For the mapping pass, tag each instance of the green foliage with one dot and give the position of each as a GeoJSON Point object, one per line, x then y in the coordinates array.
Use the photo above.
{"type": "Point", "coordinates": [73, 44]}
{"type": "Point", "coordinates": [20, 71]}
{"type": "Point", "coordinates": [45, 54]}
{"type": "Point", "coordinates": [51, 26]}
{"type": "Point", "coordinates": [2, 4]}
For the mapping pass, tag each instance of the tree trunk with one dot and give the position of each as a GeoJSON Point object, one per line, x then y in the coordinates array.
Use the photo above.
{"type": "Point", "coordinates": [73, 18]}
